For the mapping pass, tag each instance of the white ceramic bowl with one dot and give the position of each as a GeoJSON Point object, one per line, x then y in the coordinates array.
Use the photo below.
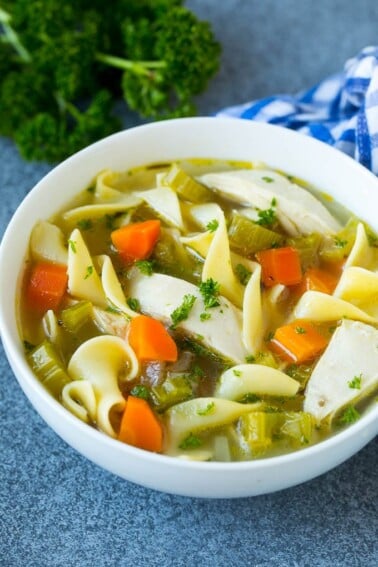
{"type": "Point", "coordinates": [327, 169]}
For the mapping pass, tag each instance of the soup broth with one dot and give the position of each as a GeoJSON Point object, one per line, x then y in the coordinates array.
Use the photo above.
{"type": "Point", "coordinates": [204, 310]}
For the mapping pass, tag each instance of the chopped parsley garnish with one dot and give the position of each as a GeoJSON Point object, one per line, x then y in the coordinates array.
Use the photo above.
{"type": "Point", "coordinates": [250, 399]}
{"type": "Point", "coordinates": [300, 330]}
{"type": "Point", "coordinates": [140, 391]}
{"type": "Point", "coordinates": [190, 442]}
{"type": "Point", "coordinates": [205, 316]}
{"type": "Point", "coordinates": [91, 189]}
{"type": "Point", "coordinates": [182, 312]}
{"type": "Point", "coordinates": [196, 374]}
{"type": "Point", "coordinates": [242, 273]}
{"type": "Point", "coordinates": [145, 267]}
{"type": "Point", "coordinates": [237, 372]}
{"type": "Point", "coordinates": [85, 224]}
{"type": "Point", "coordinates": [267, 179]}
{"type": "Point", "coordinates": [267, 217]}
{"type": "Point", "coordinates": [250, 359]}
{"type": "Point", "coordinates": [339, 243]}
{"type": "Point", "coordinates": [72, 245]}
{"type": "Point", "coordinates": [208, 409]}
{"type": "Point", "coordinates": [350, 415]}
{"type": "Point", "coordinates": [88, 272]}
{"type": "Point", "coordinates": [133, 303]}
{"type": "Point", "coordinates": [209, 290]}
{"type": "Point", "coordinates": [212, 225]}
{"type": "Point", "coordinates": [355, 383]}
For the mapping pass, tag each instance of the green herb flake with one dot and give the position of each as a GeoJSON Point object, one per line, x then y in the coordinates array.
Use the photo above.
{"type": "Point", "coordinates": [250, 359]}
{"type": "Point", "coordinates": [212, 225]}
{"type": "Point", "coordinates": [91, 189]}
{"type": "Point", "coordinates": [72, 245]}
{"type": "Point", "coordinates": [182, 312]}
{"type": "Point", "coordinates": [88, 272]}
{"type": "Point", "coordinates": [190, 442]}
{"type": "Point", "coordinates": [350, 415]}
{"type": "Point", "coordinates": [210, 290]}
{"type": "Point", "coordinates": [205, 316]}
{"type": "Point", "coordinates": [133, 303]}
{"type": "Point", "coordinates": [242, 273]}
{"type": "Point", "coordinates": [237, 373]}
{"type": "Point", "coordinates": [300, 330]}
{"type": "Point", "coordinates": [145, 267]}
{"type": "Point", "coordinates": [267, 179]}
{"type": "Point", "coordinates": [339, 243]}
{"type": "Point", "coordinates": [250, 399]}
{"type": "Point", "coordinates": [267, 217]}
{"type": "Point", "coordinates": [207, 410]}
{"type": "Point", "coordinates": [140, 391]}
{"type": "Point", "coordinates": [196, 374]}
{"type": "Point", "coordinates": [85, 224]}
{"type": "Point", "coordinates": [356, 382]}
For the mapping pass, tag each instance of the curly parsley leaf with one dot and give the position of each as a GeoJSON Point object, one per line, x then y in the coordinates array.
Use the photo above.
{"type": "Point", "coordinates": [182, 312]}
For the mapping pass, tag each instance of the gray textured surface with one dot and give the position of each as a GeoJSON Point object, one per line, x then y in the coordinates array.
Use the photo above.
{"type": "Point", "coordinates": [58, 509]}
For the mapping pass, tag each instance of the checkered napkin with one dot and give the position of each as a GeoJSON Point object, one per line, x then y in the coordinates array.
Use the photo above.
{"type": "Point", "coordinates": [342, 110]}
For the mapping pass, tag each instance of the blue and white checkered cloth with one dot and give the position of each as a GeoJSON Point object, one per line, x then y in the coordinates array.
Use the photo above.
{"type": "Point", "coordinates": [342, 110]}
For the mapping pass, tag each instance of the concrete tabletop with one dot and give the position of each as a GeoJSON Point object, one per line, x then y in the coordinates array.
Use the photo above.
{"type": "Point", "coordinates": [57, 508]}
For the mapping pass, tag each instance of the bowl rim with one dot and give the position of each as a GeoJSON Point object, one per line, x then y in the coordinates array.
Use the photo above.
{"type": "Point", "coordinates": [13, 347]}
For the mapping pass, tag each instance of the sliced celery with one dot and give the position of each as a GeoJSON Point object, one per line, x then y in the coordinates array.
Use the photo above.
{"type": "Point", "coordinates": [171, 257]}
{"type": "Point", "coordinates": [185, 186]}
{"type": "Point", "coordinates": [298, 426]}
{"type": "Point", "coordinates": [257, 429]}
{"type": "Point", "coordinates": [48, 366]}
{"type": "Point", "coordinates": [247, 237]}
{"type": "Point", "coordinates": [308, 248]}
{"type": "Point", "coordinates": [75, 317]}
{"type": "Point", "coordinates": [339, 247]}
{"type": "Point", "coordinates": [172, 391]}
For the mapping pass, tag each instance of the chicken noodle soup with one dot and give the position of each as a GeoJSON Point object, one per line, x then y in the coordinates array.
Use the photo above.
{"type": "Point", "coordinates": [205, 310]}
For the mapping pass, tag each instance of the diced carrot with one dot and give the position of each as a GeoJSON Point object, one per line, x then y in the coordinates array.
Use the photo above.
{"type": "Point", "coordinates": [136, 241]}
{"type": "Point", "coordinates": [46, 286]}
{"type": "Point", "coordinates": [298, 342]}
{"type": "Point", "coordinates": [280, 265]}
{"type": "Point", "coordinates": [317, 279]}
{"type": "Point", "coordinates": [140, 427]}
{"type": "Point", "coordinates": [150, 340]}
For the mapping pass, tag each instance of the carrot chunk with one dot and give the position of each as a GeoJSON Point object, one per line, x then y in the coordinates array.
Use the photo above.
{"type": "Point", "coordinates": [46, 286]}
{"type": "Point", "coordinates": [136, 241]}
{"type": "Point", "coordinates": [150, 340]}
{"type": "Point", "coordinates": [317, 279]}
{"type": "Point", "coordinates": [280, 265]}
{"type": "Point", "coordinates": [140, 427]}
{"type": "Point", "coordinates": [298, 342]}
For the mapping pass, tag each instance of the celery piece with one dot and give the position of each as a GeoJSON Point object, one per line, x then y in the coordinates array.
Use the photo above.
{"type": "Point", "coordinates": [265, 358]}
{"type": "Point", "coordinates": [75, 317]}
{"type": "Point", "coordinates": [247, 237]}
{"type": "Point", "coordinates": [185, 186]}
{"type": "Point", "coordinates": [257, 430]}
{"type": "Point", "coordinates": [340, 246]}
{"type": "Point", "coordinates": [171, 257]}
{"type": "Point", "coordinates": [48, 366]}
{"type": "Point", "coordinates": [298, 426]}
{"type": "Point", "coordinates": [308, 248]}
{"type": "Point", "coordinates": [173, 390]}
{"type": "Point", "coordinates": [300, 372]}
